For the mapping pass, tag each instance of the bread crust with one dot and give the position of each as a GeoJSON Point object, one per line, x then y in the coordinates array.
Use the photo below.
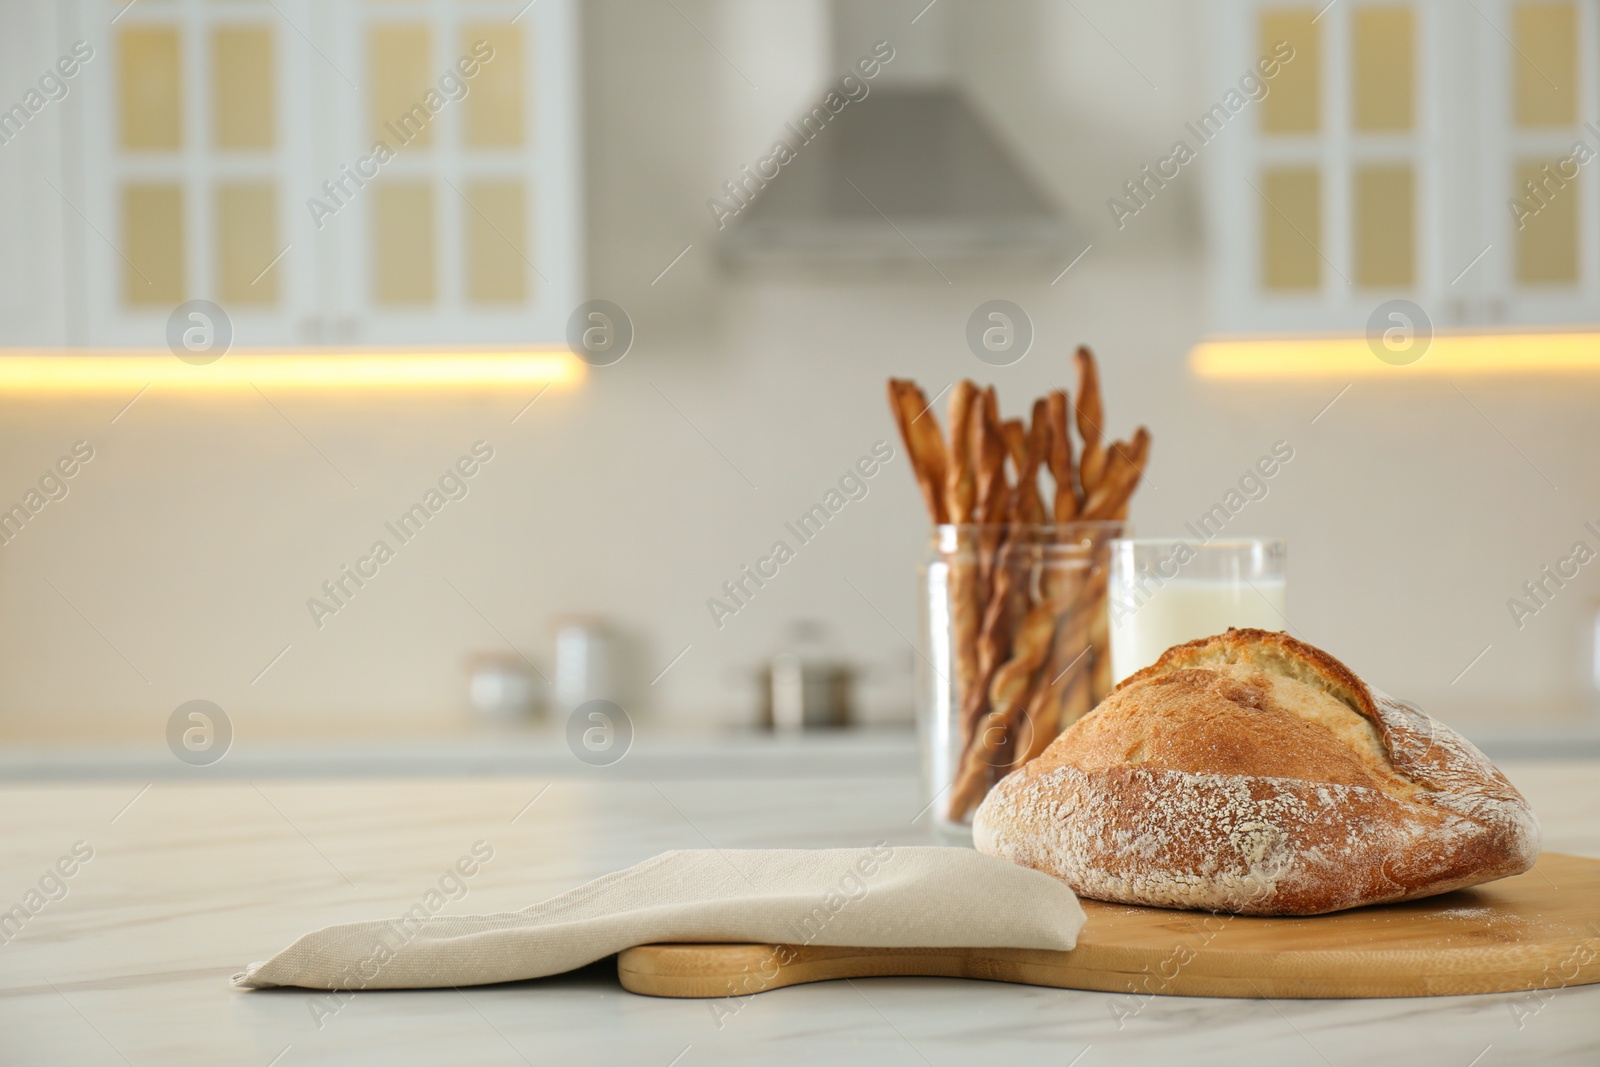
{"type": "Point", "coordinates": [1253, 773]}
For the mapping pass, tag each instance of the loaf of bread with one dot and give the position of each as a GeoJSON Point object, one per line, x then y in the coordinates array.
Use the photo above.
{"type": "Point", "coordinates": [1252, 773]}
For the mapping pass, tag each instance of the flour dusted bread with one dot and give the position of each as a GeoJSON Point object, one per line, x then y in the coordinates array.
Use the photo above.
{"type": "Point", "coordinates": [1252, 773]}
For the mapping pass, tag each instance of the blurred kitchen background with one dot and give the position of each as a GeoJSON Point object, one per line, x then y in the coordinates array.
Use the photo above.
{"type": "Point", "coordinates": [984, 158]}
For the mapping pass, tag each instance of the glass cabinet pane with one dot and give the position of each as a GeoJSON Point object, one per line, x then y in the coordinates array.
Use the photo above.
{"type": "Point", "coordinates": [403, 253]}
{"type": "Point", "coordinates": [243, 87]}
{"type": "Point", "coordinates": [1295, 103]}
{"type": "Point", "coordinates": [495, 103]}
{"type": "Point", "coordinates": [1547, 236]}
{"type": "Point", "coordinates": [247, 241]}
{"type": "Point", "coordinates": [1545, 64]}
{"type": "Point", "coordinates": [152, 242]}
{"type": "Point", "coordinates": [149, 87]}
{"type": "Point", "coordinates": [1382, 74]}
{"type": "Point", "coordinates": [497, 256]}
{"type": "Point", "coordinates": [398, 62]}
{"type": "Point", "coordinates": [1385, 234]}
{"type": "Point", "coordinates": [1291, 228]}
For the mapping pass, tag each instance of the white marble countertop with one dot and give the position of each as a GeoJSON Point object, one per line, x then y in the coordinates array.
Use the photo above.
{"type": "Point", "coordinates": [656, 753]}
{"type": "Point", "coordinates": [191, 880]}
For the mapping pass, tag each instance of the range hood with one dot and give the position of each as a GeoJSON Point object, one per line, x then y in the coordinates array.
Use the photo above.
{"type": "Point", "coordinates": [907, 175]}
{"type": "Point", "coordinates": [910, 174]}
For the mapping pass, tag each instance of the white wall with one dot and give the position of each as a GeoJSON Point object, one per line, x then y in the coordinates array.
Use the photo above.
{"type": "Point", "coordinates": [192, 540]}
{"type": "Point", "coordinates": [32, 290]}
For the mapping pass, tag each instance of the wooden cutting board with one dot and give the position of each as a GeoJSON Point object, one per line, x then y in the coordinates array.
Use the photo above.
{"type": "Point", "coordinates": [1537, 931]}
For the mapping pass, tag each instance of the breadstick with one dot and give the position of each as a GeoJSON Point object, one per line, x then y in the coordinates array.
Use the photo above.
{"type": "Point", "coordinates": [1067, 503]}
{"type": "Point", "coordinates": [1065, 688]}
{"type": "Point", "coordinates": [924, 445]}
{"type": "Point", "coordinates": [961, 492]}
{"type": "Point", "coordinates": [1141, 456]}
{"type": "Point", "coordinates": [1078, 700]}
{"type": "Point", "coordinates": [1044, 705]}
{"type": "Point", "coordinates": [1016, 436]}
{"type": "Point", "coordinates": [994, 494]}
{"type": "Point", "coordinates": [1007, 700]}
{"type": "Point", "coordinates": [1071, 655]}
{"type": "Point", "coordinates": [1123, 470]}
{"type": "Point", "coordinates": [994, 498]}
{"type": "Point", "coordinates": [1007, 599]}
{"type": "Point", "coordinates": [1008, 558]}
{"type": "Point", "coordinates": [1041, 715]}
{"type": "Point", "coordinates": [989, 452]}
{"type": "Point", "coordinates": [1040, 711]}
{"type": "Point", "coordinates": [1091, 417]}
{"type": "Point", "coordinates": [1029, 506]}
{"type": "Point", "coordinates": [1068, 682]}
{"type": "Point", "coordinates": [1055, 690]}
{"type": "Point", "coordinates": [1003, 604]}
{"type": "Point", "coordinates": [961, 486]}
{"type": "Point", "coordinates": [1113, 480]}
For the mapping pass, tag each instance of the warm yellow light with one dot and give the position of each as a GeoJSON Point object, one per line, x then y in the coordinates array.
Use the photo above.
{"type": "Point", "coordinates": [1352, 357]}
{"type": "Point", "coordinates": [80, 370]}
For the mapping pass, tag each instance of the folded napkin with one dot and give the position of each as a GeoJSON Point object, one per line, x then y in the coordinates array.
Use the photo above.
{"type": "Point", "coordinates": [881, 897]}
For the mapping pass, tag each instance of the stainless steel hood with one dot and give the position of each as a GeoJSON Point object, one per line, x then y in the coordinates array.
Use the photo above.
{"type": "Point", "coordinates": [907, 175]}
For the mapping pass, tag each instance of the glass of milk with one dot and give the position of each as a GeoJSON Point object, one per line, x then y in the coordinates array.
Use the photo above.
{"type": "Point", "coordinates": [1162, 593]}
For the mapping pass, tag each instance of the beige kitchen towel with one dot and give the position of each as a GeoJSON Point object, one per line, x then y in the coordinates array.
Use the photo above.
{"type": "Point", "coordinates": [891, 897]}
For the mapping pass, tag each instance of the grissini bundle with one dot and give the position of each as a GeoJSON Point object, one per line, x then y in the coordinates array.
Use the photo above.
{"type": "Point", "coordinates": [1028, 634]}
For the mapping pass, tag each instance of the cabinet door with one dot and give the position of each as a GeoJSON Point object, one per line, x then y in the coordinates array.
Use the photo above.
{"type": "Point", "coordinates": [230, 152]}
{"type": "Point", "coordinates": [1541, 150]}
{"type": "Point", "coordinates": [191, 151]}
{"type": "Point", "coordinates": [1387, 155]}
{"type": "Point", "coordinates": [1330, 193]}
{"type": "Point", "coordinates": [450, 208]}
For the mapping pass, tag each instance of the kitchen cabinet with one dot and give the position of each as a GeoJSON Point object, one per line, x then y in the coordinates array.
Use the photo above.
{"type": "Point", "coordinates": [364, 173]}
{"type": "Point", "coordinates": [1426, 150]}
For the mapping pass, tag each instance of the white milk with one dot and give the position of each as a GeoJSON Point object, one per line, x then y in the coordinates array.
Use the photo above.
{"type": "Point", "coordinates": [1146, 624]}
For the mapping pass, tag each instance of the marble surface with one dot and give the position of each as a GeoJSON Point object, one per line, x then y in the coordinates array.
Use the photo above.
{"type": "Point", "coordinates": [190, 880]}
{"type": "Point", "coordinates": [656, 753]}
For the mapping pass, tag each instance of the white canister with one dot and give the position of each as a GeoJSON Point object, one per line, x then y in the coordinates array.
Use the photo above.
{"type": "Point", "coordinates": [589, 663]}
{"type": "Point", "coordinates": [504, 689]}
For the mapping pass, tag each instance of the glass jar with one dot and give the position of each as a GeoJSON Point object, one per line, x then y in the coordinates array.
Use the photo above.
{"type": "Point", "coordinates": [1014, 620]}
{"type": "Point", "coordinates": [1173, 590]}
